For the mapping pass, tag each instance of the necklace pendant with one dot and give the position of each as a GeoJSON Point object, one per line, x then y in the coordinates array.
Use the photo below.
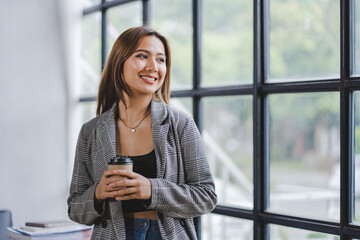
{"type": "Point", "coordinates": [133, 130]}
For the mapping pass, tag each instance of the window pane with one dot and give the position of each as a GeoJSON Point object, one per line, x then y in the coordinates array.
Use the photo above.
{"type": "Point", "coordinates": [173, 19]}
{"type": "Point", "coordinates": [90, 3]}
{"type": "Point", "coordinates": [121, 18]}
{"type": "Point", "coordinates": [357, 37]}
{"type": "Point", "coordinates": [305, 155]}
{"type": "Point", "coordinates": [357, 156]}
{"type": "Point", "coordinates": [287, 233]}
{"type": "Point", "coordinates": [87, 111]}
{"type": "Point", "coordinates": [90, 54]}
{"type": "Point", "coordinates": [304, 39]}
{"type": "Point", "coordinates": [227, 42]}
{"type": "Point", "coordinates": [227, 132]}
{"type": "Point", "coordinates": [184, 104]}
{"type": "Point", "coordinates": [215, 226]}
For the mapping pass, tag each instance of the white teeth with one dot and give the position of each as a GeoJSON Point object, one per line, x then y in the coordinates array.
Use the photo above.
{"type": "Point", "coordinates": [148, 78]}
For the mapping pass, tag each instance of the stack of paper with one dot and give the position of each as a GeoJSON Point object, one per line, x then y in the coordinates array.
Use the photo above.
{"type": "Point", "coordinates": [64, 230]}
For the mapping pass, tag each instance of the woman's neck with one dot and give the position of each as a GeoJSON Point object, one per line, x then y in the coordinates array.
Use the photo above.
{"type": "Point", "coordinates": [135, 109]}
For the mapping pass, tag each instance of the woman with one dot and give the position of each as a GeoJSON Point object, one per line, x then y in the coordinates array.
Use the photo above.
{"type": "Point", "coordinates": [171, 182]}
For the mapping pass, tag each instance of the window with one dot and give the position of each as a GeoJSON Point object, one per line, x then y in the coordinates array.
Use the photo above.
{"type": "Point", "coordinates": [227, 42]}
{"type": "Point", "coordinates": [304, 40]}
{"type": "Point", "coordinates": [120, 18]}
{"type": "Point", "coordinates": [226, 228]}
{"type": "Point", "coordinates": [173, 19]}
{"type": "Point", "coordinates": [356, 159]}
{"type": "Point", "coordinates": [356, 34]}
{"type": "Point", "coordinates": [286, 233]}
{"type": "Point", "coordinates": [90, 54]}
{"type": "Point", "coordinates": [274, 87]}
{"type": "Point", "coordinates": [228, 136]}
{"type": "Point", "coordinates": [90, 3]}
{"type": "Point", "coordinates": [304, 140]}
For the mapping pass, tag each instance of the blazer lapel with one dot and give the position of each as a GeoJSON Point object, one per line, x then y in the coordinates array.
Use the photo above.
{"type": "Point", "coordinates": [160, 129]}
{"type": "Point", "coordinates": [106, 139]}
{"type": "Point", "coordinates": [108, 142]}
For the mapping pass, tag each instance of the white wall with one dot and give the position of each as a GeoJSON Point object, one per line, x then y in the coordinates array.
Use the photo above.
{"type": "Point", "coordinates": [33, 116]}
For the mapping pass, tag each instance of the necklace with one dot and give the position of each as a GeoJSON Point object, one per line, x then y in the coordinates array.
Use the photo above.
{"type": "Point", "coordinates": [133, 129]}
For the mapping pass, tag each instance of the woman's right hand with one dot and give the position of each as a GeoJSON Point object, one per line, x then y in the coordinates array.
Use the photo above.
{"type": "Point", "coordinates": [103, 190]}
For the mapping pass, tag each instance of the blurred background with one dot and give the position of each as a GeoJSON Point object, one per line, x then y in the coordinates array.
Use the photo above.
{"type": "Point", "coordinates": [51, 57]}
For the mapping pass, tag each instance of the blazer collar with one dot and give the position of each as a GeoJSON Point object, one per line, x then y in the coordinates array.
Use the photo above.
{"type": "Point", "coordinates": [158, 113]}
{"type": "Point", "coordinates": [159, 128]}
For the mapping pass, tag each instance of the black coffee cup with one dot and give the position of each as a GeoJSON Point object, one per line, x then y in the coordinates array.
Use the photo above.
{"type": "Point", "coordinates": [121, 163]}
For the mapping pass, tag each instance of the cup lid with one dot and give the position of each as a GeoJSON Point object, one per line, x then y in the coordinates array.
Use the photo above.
{"type": "Point", "coordinates": [120, 160]}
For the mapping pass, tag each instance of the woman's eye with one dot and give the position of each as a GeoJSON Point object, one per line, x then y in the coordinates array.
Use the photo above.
{"type": "Point", "coordinates": [142, 56]}
{"type": "Point", "coordinates": [161, 60]}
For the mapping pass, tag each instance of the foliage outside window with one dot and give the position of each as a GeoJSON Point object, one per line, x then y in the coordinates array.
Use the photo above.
{"type": "Point", "coordinates": [174, 20]}
{"type": "Point", "coordinates": [304, 39]}
{"type": "Point", "coordinates": [227, 40]}
{"type": "Point", "coordinates": [305, 155]}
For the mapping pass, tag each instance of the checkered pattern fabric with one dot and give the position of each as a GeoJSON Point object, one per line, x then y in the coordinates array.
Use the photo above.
{"type": "Point", "coordinates": [183, 189]}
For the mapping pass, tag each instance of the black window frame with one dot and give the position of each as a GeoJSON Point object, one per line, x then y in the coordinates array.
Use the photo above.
{"type": "Point", "coordinates": [346, 84]}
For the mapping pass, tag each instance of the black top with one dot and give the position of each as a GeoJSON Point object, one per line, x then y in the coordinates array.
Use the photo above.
{"type": "Point", "coordinates": [146, 166]}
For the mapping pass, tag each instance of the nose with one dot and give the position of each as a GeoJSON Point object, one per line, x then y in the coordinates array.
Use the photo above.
{"type": "Point", "coordinates": [151, 65]}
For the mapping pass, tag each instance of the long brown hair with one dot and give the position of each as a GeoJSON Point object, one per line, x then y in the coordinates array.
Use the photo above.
{"type": "Point", "coordinates": [112, 85]}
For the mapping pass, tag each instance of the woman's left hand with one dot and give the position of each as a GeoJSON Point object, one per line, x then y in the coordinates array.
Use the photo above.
{"type": "Point", "coordinates": [135, 186]}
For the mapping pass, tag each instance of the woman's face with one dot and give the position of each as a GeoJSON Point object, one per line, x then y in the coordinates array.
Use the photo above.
{"type": "Point", "coordinates": [145, 69]}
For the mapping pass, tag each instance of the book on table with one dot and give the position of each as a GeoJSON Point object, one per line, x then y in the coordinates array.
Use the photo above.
{"type": "Point", "coordinates": [50, 224]}
{"type": "Point", "coordinates": [53, 230]}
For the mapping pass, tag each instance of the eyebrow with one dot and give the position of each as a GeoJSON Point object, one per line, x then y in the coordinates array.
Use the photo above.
{"type": "Point", "coordinates": [147, 51]}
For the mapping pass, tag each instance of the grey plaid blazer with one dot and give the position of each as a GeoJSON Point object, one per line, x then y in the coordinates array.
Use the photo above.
{"type": "Point", "coordinates": [184, 187]}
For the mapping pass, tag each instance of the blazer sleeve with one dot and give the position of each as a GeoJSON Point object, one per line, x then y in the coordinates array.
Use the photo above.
{"type": "Point", "coordinates": [197, 195]}
{"type": "Point", "coordinates": [81, 206]}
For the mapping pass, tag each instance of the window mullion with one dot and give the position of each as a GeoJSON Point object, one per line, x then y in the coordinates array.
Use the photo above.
{"type": "Point", "coordinates": [346, 161]}
{"type": "Point", "coordinates": [259, 118]}
{"type": "Point", "coordinates": [103, 35]}
{"type": "Point", "coordinates": [197, 60]}
{"type": "Point", "coordinates": [146, 12]}
{"type": "Point", "coordinates": [197, 111]}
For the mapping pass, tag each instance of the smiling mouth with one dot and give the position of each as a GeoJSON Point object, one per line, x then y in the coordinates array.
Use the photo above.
{"type": "Point", "coordinates": [148, 78]}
